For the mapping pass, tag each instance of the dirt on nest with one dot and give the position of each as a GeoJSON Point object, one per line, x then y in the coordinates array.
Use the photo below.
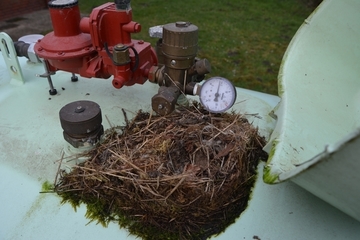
{"type": "Point", "coordinates": [184, 176]}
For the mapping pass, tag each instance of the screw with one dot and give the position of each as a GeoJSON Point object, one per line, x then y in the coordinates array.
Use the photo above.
{"type": "Point", "coordinates": [79, 109]}
{"type": "Point", "coordinates": [74, 78]}
{"type": "Point", "coordinates": [52, 91]}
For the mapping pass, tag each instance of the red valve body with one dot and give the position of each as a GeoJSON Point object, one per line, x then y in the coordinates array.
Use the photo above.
{"type": "Point", "coordinates": [79, 45]}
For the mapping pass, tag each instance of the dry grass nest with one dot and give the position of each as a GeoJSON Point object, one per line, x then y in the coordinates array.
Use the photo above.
{"type": "Point", "coordinates": [183, 176]}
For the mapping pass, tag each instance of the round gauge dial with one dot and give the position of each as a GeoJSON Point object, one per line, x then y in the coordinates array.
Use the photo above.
{"type": "Point", "coordinates": [217, 94]}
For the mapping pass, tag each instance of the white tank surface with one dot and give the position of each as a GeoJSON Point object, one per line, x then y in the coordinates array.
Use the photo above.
{"type": "Point", "coordinates": [316, 141]}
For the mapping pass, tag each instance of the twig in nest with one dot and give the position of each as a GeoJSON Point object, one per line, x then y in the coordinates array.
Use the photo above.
{"type": "Point", "coordinates": [58, 170]}
{"type": "Point", "coordinates": [173, 190]}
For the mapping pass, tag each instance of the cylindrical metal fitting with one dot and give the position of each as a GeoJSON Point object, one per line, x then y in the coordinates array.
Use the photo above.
{"type": "Point", "coordinates": [81, 122]}
{"type": "Point", "coordinates": [21, 48]}
{"type": "Point", "coordinates": [121, 55]}
{"type": "Point", "coordinates": [179, 44]}
{"type": "Point", "coordinates": [65, 17]}
{"type": "Point", "coordinates": [163, 103]}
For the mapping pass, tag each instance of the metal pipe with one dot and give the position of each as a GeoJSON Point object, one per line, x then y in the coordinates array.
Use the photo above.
{"type": "Point", "coordinates": [122, 4]}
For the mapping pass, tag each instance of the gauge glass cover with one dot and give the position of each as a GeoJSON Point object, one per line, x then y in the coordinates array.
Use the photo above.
{"type": "Point", "coordinates": [217, 94]}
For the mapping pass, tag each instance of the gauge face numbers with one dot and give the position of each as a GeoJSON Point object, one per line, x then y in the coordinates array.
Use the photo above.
{"type": "Point", "coordinates": [217, 94]}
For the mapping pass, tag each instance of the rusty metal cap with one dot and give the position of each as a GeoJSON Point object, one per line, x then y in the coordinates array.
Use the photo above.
{"type": "Point", "coordinates": [80, 118]}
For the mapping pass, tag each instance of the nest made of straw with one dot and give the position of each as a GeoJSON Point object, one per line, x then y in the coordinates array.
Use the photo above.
{"type": "Point", "coordinates": [183, 176]}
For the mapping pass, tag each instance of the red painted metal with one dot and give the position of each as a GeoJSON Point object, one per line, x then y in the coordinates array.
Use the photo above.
{"type": "Point", "coordinates": [84, 46]}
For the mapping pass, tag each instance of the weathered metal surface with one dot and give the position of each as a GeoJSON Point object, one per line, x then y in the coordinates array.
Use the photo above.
{"type": "Point", "coordinates": [319, 109]}
{"type": "Point", "coordinates": [11, 61]}
{"type": "Point", "coordinates": [32, 144]}
{"type": "Point", "coordinates": [81, 122]}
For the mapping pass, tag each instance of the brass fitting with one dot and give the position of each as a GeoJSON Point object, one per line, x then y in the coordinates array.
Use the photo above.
{"type": "Point", "coordinates": [201, 67]}
{"type": "Point", "coordinates": [179, 48]}
{"type": "Point", "coordinates": [155, 75]}
{"type": "Point", "coordinates": [178, 67]}
{"type": "Point", "coordinates": [121, 55]}
{"type": "Point", "coordinates": [164, 101]}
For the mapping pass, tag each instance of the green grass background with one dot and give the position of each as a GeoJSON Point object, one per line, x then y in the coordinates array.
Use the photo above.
{"type": "Point", "coordinates": [244, 40]}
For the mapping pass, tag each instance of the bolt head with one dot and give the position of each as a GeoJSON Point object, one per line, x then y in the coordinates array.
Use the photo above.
{"type": "Point", "coordinates": [79, 109]}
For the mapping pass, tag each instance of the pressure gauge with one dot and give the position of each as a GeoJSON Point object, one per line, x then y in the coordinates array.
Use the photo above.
{"type": "Point", "coordinates": [217, 94]}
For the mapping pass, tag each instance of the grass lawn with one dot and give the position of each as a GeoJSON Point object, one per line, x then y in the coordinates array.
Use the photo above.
{"type": "Point", "coordinates": [243, 40]}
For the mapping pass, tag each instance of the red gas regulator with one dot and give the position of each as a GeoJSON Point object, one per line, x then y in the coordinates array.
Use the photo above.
{"type": "Point", "coordinates": [101, 46]}
{"type": "Point", "coordinates": [96, 46]}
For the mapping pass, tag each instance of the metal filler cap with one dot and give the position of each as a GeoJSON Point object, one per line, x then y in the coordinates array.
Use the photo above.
{"type": "Point", "coordinates": [81, 122]}
{"type": "Point", "coordinates": [62, 3]}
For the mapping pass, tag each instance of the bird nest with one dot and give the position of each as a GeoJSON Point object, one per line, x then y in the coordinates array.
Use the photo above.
{"type": "Point", "coordinates": [184, 176]}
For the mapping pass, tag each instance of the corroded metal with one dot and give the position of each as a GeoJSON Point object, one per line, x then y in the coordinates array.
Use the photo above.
{"type": "Point", "coordinates": [81, 122]}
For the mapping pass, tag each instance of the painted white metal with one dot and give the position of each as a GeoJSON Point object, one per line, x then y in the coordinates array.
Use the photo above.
{"type": "Point", "coordinates": [31, 145]}
{"type": "Point", "coordinates": [9, 54]}
{"type": "Point", "coordinates": [333, 175]}
{"type": "Point", "coordinates": [319, 112]}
